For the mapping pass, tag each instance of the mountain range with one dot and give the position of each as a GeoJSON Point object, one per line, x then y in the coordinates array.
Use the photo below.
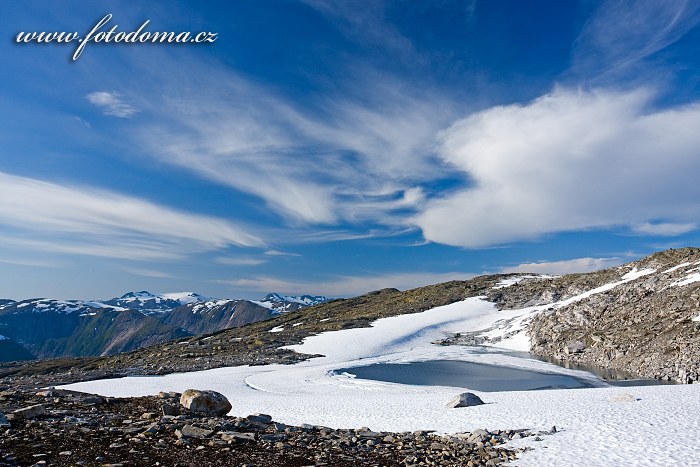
{"type": "Point", "coordinates": [47, 328]}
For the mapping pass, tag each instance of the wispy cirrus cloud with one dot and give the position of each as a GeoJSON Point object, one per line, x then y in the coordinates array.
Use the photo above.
{"type": "Point", "coordinates": [112, 104]}
{"type": "Point", "coordinates": [47, 216]}
{"type": "Point", "coordinates": [621, 34]}
{"type": "Point", "coordinates": [568, 161]}
{"type": "Point", "coordinates": [150, 273]}
{"type": "Point", "coordinates": [280, 253]}
{"type": "Point", "coordinates": [569, 266]}
{"type": "Point", "coordinates": [344, 286]}
{"type": "Point", "coordinates": [328, 160]}
{"type": "Point", "coordinates": [229, 261]}
{"type": "Point", "coordinates": [664, 229]}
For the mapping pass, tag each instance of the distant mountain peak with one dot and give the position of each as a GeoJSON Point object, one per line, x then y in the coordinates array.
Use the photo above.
{"type": "Point", "coordinates": [185, 297]}
{"type": "Point", "coordinates": [141, 294]}
{"type": "Point", "coordinates": [281, 303]}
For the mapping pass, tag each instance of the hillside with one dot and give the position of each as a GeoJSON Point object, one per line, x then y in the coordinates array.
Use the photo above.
{"type": "Point", "coordinates": [649, 327]}
{"type": "Point", "coordinates": [625, 305]}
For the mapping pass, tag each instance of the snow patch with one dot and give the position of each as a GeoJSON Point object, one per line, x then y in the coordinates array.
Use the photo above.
{"type": "Point", "coordinates": [682, 265]}
{"type": "Point", "coordinates": [267, 305]}
{"type": "Point", "coordinates": [636, 274]}
{"type": "Point", "coordinates": [277, 329]}
{"type": "Point", "coordinates": [689, 279]}
{"type": "Point", "coordinates": [508, 282]}
{"type": "Point", "coordinates": [184, 297]}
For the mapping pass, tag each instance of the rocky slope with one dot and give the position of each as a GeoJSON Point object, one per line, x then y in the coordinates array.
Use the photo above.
{"type": "Point", "coordinates": [215, 315]}
{"type": "Point", "coordinates": [12, 351]}
{"type": "Point", "coordinates": [59, 328]}
{"type": "Point", "coordinates": [648, 326]}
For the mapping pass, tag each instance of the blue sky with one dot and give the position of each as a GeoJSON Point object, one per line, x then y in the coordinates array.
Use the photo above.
{"type": "Point", "coordinates": [338, 147]}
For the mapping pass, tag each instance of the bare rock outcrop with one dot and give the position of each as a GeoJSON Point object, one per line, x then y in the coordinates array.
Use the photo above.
{"type": "Point", "coordinates": [647, 327]}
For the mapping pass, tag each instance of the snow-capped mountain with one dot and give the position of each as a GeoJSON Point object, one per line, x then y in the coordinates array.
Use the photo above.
{"type": "Point", "coordinates": [149, 303]}
{"type": "Point", "coordinates": [49, 328]}
{"type": "Point", "coordinates": [279, 303]}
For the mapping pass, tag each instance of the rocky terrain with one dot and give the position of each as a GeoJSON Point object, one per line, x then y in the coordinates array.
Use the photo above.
{"type": "Point", "coordinates": [59, 427]}
{"type": "Point", "coordinates": [645, 327]}
{"type": "Point", "coordinates": [648, 327]}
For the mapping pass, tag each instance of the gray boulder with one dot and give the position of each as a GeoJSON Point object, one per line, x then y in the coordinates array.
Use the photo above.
{"type": "Point", "coordinates": [206, 402]}
{"type": "Point", "coordinates": [575, 347]}
{"type": "Point", "coordinates": [466, 399]}
{"type": "Point", "coordinates": [32, 411]}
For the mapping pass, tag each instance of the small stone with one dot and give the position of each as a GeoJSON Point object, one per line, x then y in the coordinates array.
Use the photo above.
{"type": "Point", "coordinates": [279, 427]}
{"type": "Point", "coordinates": [259, 418]}
{"type": "Point", "coordinates": [171, 410]}
{"type": "Point", "coordinates": [93, 399]}
{"type": "Point", "coordinates": [237, 436]}
{"type": "Point", "coordinates": [191, 431]}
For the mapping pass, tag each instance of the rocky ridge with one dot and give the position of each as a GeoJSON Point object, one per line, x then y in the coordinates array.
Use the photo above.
{"type": "Point", "coordinates": [642, 323]}
{"type": "Point", "coordinates": [647, 327]}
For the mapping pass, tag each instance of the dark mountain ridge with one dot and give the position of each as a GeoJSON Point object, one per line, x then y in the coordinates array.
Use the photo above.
{"type": "Point", "coordinates": [47, 328]}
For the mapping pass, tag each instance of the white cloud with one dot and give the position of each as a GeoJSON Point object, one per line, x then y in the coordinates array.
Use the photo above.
{"type": "Point", "coordinates": [569, 266]}
{"type": "Point", "coordinates": [48, 216]}
{"type": "Point", "coordinates": [665, 229]}
{"type": "Point", "coordinates": [29, 262]}
{"type": "Point", "coordinates": [150, 273]}
{"type": "Point", "coordinates": [345, 286]}
{"type": "Point", "coordinates": [568, 161]}
{"type": "Point", "coordinates": [280, 253]}
{"type": "Point", "coordinates": [324, 161]}
{"type": "Point", "coordinates": [111, 104]}
{"type": "Point", "coordinates": [241, 261]}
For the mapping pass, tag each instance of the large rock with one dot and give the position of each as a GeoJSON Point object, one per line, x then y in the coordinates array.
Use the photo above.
{"type": "Point", "coordinates": [207, 402]}
{"type": "Point", "coordinates": [32, 411]}
{"type": "Point", "coordinates": [466, 399]}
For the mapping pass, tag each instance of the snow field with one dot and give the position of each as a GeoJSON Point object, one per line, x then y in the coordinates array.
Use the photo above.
{"type": "Point", "coordinates": [652, 425]}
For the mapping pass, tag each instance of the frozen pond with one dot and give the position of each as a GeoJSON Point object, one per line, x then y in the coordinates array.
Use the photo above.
{"type": "Point", "coordinates": [475, 376]}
